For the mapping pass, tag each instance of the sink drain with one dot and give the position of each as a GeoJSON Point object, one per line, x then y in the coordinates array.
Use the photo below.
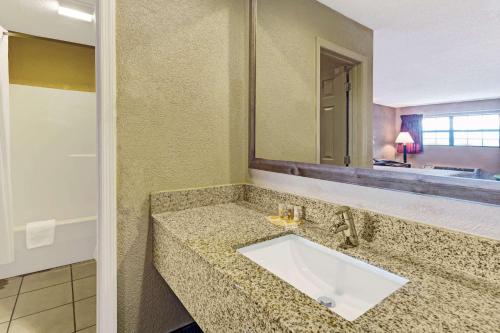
{"type": "Point", "coordinates": [326, 301]}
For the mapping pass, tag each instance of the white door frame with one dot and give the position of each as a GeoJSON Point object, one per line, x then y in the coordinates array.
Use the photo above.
{"type": "Point", "coordinates": [361, 113]}
{"type": "Point", "coordinates": [106, 129]}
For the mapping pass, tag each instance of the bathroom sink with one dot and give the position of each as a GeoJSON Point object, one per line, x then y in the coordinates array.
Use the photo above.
{"type": "Point", "coordinates": [347, 286]}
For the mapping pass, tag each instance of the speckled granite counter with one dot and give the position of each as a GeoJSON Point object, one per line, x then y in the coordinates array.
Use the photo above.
{"type": "Point", "coordinates": [194, 250]}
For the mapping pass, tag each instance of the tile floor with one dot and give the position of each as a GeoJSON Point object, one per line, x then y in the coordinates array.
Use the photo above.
{"type": "Point", "coordinates": [59, 300]}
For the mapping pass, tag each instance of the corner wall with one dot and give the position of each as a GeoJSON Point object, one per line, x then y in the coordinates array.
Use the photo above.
{"type": "Point", "coordinates": [182, 122]}
{"type": "Point", "coordinates": [384, 132]}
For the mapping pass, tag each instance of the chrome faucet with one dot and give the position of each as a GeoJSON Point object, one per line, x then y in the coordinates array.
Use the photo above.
{"type": "Point", "coordinates": [346, 226]}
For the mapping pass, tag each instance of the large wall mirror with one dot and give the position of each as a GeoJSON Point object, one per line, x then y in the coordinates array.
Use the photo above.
{"type": "Point", "coordinates": [377, 100]}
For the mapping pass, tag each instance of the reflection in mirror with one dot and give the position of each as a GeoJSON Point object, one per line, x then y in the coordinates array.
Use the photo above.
{"type": "Point", "coordinates": [334, 105]}
{"type": "Point", "coordinates": [432, 107]}
{"type": "Point", "coordinates": [450, 139]}
{"type": "Point", "coordinates": [313, 85]}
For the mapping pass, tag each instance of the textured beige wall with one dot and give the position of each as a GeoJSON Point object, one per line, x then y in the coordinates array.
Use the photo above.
{"type": "Point", "coordinates": [182, 122]}
{"type": "Point", "coordinates": [286, 72]}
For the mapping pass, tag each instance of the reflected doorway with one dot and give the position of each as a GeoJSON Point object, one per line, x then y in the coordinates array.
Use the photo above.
{"type": "Point", "coordinates": [335, 104]}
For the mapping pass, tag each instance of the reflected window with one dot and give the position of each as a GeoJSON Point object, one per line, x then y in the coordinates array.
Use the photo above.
{"type": "Point", "coordinates": [436, 131]}
{"type": "Point", "coordinates": [478, 130]}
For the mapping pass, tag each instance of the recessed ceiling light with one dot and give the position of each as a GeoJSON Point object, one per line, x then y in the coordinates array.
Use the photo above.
{"type": "Point", "coordinates": [76, 9]}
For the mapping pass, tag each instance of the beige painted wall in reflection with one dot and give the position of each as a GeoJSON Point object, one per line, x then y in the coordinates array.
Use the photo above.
{"type": "Point", "coordinates": [286, 73]}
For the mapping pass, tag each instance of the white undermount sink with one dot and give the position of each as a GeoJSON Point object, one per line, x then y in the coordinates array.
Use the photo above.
{"type": "Point", "coordinates": [348, 286]}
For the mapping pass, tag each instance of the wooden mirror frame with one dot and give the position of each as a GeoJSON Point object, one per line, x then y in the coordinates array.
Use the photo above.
{"type": "Point", "coordinates": [451, 187]}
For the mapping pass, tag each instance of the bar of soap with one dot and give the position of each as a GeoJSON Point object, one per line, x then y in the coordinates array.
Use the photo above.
{"type": "Point", "coordinates": [276, 220]}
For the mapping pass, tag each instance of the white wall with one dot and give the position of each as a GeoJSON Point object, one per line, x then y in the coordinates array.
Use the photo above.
{"type": "Point", "coordinates": [466, 216]}
{"type": "Point", "coordinates": [54, 168]}
{"type": "Point", "coordinates": [54, 174]}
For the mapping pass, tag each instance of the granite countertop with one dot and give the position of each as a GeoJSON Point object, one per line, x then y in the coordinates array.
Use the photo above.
{"type": "Point", "coordinates": [436, 299]}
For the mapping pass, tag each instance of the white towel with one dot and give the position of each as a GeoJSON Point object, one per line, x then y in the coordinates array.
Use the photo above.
{"type": "Point", "coordinates": [40, 233]}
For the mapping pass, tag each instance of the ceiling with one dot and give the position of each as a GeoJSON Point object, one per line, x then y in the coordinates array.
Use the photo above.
{"type": "Point", "coordinates": [425, 51]}
{"type": "Point", "coordinates": [429, 51]}
{"type": "Point", "coordinates": [40, 18]}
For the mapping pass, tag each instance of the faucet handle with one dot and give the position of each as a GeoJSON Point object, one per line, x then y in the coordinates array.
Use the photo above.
{"type": "Point", "coordinates": [338, 227]}
{"type": "Point", "coordinates": [342, 224]}
{"type": "Point", "coordinates": [347, 225]}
